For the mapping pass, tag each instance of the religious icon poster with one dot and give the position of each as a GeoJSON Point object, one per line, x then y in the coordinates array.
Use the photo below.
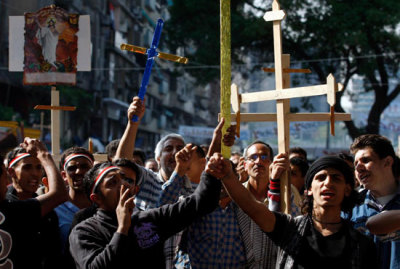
{"type": "Point", "coordinates": [51, 47]}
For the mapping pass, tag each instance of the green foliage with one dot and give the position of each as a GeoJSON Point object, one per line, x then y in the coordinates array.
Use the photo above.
{"type": "Point", "coordinates": [349, 36]}
{"type": "Point", "coordinates": [195, 26]}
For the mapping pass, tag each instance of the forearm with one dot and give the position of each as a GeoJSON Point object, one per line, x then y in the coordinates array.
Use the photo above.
{"type": "Point", "coordinates": [249, 204]}
{"type": "Point", "coordinates": [57, 193]}
{"type": "Point", "coordinates": [384, 223]}
{"type": "Point", "coordinates": [127, 144]}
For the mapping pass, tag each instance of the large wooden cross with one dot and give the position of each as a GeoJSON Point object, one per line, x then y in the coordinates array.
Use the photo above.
{"type": "Point", "coordinates": [55, 125]}
{"type": "Point", "coordinates": [282, 94]}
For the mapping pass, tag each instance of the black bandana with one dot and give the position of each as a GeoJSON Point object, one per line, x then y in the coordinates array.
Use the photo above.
{"type": "Point", "coordinates": [329, 162]}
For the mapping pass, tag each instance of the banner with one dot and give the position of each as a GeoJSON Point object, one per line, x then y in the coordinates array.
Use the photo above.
{"type": "Point", "coordinates": [51, 47]}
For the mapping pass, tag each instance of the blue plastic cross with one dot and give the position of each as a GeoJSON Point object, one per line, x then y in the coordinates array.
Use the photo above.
{"type": "Point", "coordinates": [151, 53]}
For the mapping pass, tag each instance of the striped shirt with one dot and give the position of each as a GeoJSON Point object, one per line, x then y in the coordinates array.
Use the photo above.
{"type": "Point", "coordinates": [150, 188]}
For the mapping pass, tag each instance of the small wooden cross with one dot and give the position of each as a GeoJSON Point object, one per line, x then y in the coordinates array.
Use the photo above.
{"type": "Point", "coordinates": [282, 94]}
{"type": "Point", "coordinates": [55, 120]}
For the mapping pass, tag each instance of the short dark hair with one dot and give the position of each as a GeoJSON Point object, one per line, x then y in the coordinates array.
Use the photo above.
{"type": "Point", "coordinates": [380, 145]}
{"type": "Point", "coordinates": [130, 164]}
{"type": "Point", "coordinates": [346, 157]}
{"type": "Point", "coordinates": [74, 150]}
{"type": "Point", "coordinates": [259, 142]}
{"type": "Point", "coordinates": [139, 152]}
{"type": "Point", "coordinates": [13, 153]}
{"type": "Point", "coordinates": [298, 150]}
{"type": "Point", "coordinates": [111, 148]}
{"type": "Point", "coordinates": [91, 175]}
{"type": "Point", "coordinates": [301, 164]}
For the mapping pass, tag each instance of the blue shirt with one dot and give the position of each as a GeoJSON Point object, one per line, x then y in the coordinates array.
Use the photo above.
{"type": "Point", "coordinates": [388, 246]}
{"type": "Point", "coordinates": [65, 213]}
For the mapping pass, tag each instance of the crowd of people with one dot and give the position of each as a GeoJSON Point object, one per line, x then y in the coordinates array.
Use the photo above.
{"type": "Point", "coordinates": [191, 208]}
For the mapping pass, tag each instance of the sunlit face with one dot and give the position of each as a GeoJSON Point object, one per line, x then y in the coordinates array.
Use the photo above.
{"type": "Point", "coordinates": [329, 188]}
{"type": "Point", "coordinates": [167, 157]}
{"type": "Point", "coordinates": [26, 174]}
{"type": "Point", "coordinates": [297, 179]}
{"type": "Point", "coordinates": [369, 169]}
{"type": "Point", "coordinates": [258, 160]}
{"type": "Point", "coordinates": [75, 172]}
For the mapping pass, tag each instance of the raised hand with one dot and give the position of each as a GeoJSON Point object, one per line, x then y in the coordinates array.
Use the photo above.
{"type": "Point", "coordinates": [241, 171]}
{"type": "Point", "coordinates": [124, 209]}
{"type": "Point", "coordinates": [219, 167]}
{"type": "Point", "coordinates": [137, 108]}
{"type": "Point", "coordinates": [184, 159]}
{"type": "Point", "coordinates": [279, 165]}
{"type": "Point", "coordinates": [33, 146]}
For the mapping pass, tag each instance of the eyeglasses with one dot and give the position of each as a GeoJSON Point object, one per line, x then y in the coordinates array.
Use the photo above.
{"type": "Point", "coordinates": [254, 157]}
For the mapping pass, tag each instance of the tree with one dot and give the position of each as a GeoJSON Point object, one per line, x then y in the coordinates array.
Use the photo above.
{"type": "Point", "coordinates": [357, 36]}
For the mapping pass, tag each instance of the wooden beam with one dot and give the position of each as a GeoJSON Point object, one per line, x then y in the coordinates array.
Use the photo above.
{"type": "Point", "coordinates": [285, 94]}
{"type": "Point", "coordinates": [287, 70]}
{"type": "Point", "coordinates": [293, 117]}
{"type": "Point", "coordinates": [45, 107]}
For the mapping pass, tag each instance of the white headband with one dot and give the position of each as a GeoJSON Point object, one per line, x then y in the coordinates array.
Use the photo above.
{"type": "Point", "coordinates": [18, 158]}
{"type": "Point", "coordinates": [101, 175]}
{"type": "Point", "coordinates": [73, 156]}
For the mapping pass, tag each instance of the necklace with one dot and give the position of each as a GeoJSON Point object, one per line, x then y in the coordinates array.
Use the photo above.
{"type": "Point", "coordinates": [330, 223]}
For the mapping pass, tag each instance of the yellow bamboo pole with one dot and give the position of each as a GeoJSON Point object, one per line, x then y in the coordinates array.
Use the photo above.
{"type": "Point", "coordinates": [225, 42]}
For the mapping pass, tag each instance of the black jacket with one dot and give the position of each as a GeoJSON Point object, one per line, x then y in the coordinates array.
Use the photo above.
{"type": "Point", "coordinates": [95, 243]}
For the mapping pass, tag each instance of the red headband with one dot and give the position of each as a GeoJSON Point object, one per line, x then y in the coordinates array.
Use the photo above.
{"type": "Point", "coordinates": [101, 175]}
{"type": "Point", "coordinates": [18, 158]}
{"type": "Point", "coordinates": [73, 156]}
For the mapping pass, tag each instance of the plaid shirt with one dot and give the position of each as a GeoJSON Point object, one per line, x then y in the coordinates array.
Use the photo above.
{"type": "Point", "coordinates": [173, 190]}
{"type": "Point", "coordinates": [150, 187]}
{"type": "Point", "coordinates": [213, 241]}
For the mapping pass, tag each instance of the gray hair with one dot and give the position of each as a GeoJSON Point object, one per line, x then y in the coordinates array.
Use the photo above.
{"type": "Point", "coordinates": [160, 144]}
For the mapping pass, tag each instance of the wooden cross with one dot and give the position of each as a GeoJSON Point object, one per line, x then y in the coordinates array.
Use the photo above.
{"type": "Point", "coordinates": [55, 125]}
{"type": "Point", "coordinates": [282, 94]}
{"type": "Point", "coordinates": [55, 120]}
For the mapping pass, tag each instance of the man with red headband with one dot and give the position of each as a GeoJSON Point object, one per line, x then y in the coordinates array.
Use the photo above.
{"type": "Point", "coordinates": [20, 220]}
{"type": "Point", "coordinates": [75, 162]}
{"type": "Point", "coordinates": [116, 236]}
